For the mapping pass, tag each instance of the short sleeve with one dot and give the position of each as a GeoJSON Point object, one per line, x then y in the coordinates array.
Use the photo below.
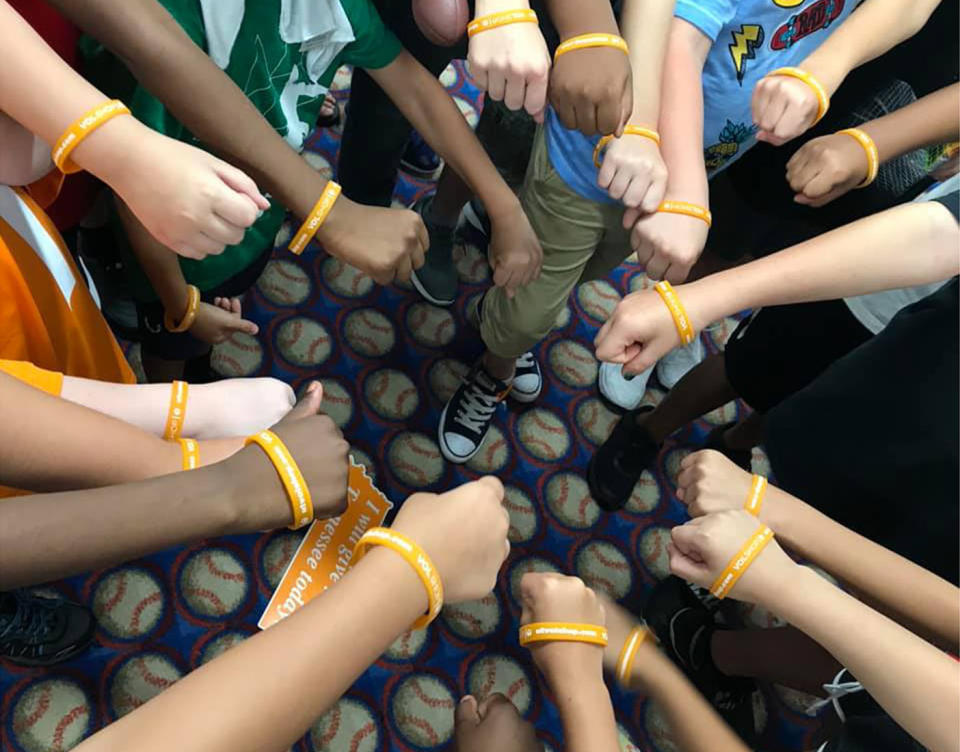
{"type": "Point", "coordinates": [375, 46]}
{"type": "Point", "coordinates": [50, 382]}
{"type": "Point", "coordinates": [709, 16]}
{"type": "Point", "coordinates": [952, 202]}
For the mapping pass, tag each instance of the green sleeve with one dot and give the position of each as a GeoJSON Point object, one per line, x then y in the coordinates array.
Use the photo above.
{"type": "Point", "coordinates": [375, 45]}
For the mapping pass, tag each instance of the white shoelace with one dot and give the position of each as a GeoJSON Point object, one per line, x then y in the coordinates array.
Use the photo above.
{"type": "Point", "coordinates": [835, 690]}
{"type": "Point", "coordinates": [477, 407]}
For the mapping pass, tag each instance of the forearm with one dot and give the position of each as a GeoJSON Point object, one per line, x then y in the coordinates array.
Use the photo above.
{"type": "Point", "coordinates": [875, 28]}
{"type": "Point", "coordinates": [865, 256]}
{"type": "Point", "coordinates": [263, 694]}
{"type": "Point", "coordinates": [432, 112]}
{"type": "Point", "coordinates": [694, 724]}
{"type": "Point", "coordinates": [645, 25]}
{"type": "Point", "coordinates": [160, 264]}
{"type": "Point", "coordinates": [928, 121]}
{"type": "Point", "coordinates": [910, 594]}
{"type": "Point", "coordinates": [583, 17]}
{"type": "Point", "coordinates": [917, 684]}
{"type": "Point", "coordinates": [681, 114]}
{"type": "Point", "coordinates": [200, 95]}
{"type": "Point", "coordinates": [587, 715]}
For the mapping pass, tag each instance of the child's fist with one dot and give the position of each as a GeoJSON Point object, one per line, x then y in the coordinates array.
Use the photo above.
{"type": "Point", "coordinates": [633, 172]}
{"type": "Point", "coordinates": [783, 108]}
{"type": "Point", "coordinates": [547, 596]}
{"type": "Point", "coordinates": [709, 482]}
{"type": "Point", "coordinates": [464, 531]}
{"type": "Point", "coordinates": [826, 168]}
{"type": "Point", "coordinates": [701, 550]}
{"type": "Point", "coordinates": [668, 245]}
{"type": "Point", "coordinates": [592, 90]}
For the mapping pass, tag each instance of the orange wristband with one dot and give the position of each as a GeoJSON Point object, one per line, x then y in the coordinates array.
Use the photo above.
{"type": "Point", "coordinates": [630, 130]}
{"type": "Point", "coordinates": [823, 99]}
{"type": "Point", "coordinates": [504, 18]}
{"type": "Point", "coordinates": [870, 148]}
{"type": "Point", "coordinates": [628, 654]}
{"type": "Point", "coordinates": [741, 562]}
{"type": "Point", "coordinates": [81, 128]}
{"type": "Point", "coordinates": [191, 453]}
{"type": "Point", "coordinates": [755, 500]}
{"type": "Point", "coordinates": [680, 319]}
{"type": "Point", "coordinates": [416, 557]}
{"type": "Point", "coordinates": [584, 41]}
{"type": "Point", "coordinates": [561, 631]}
{"type": "Point", "coordinates": [317, 217]}
{"type": "Point", "coordinates": [294, 484]}
{"type": "Point", "coordinates": [685, 207]}
{"type": "Point", "coordinates": [189, 316]}
{"type": "Point", "coordinates": [177, 412]}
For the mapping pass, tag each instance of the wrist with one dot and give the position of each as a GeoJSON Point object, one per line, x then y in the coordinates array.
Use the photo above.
{"type": "Point", "coordinates": [575, 684]}
{"type": "Point", "coordinates": [110, 151]}
{"type": "Point", "coordinates": [486, 7]}
{"type": "Point", "coordinates": [787, 589]}
{"type": "Point", "coordinates": [408, 598]}
{"type": "Point", "coordinates": [777, 512]}
{"type": "Point", "coordinates": [702, 301]}
{"type": "Point", "coordinates": [830, 70]}
{"type": "Point", "coordinates": [503, 203]}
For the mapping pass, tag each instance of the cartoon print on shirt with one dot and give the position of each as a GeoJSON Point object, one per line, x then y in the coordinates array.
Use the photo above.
{"type": "Point", "coordinates": [813, 18]}
{"type": "Point", "coordinates": [732, 135]}
{"type": "Point", "coordinates": [744, 47]}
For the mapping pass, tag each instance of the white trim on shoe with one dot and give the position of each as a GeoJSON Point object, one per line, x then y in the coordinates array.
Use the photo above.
{"type": "Point", "coordinates": [427, 296]}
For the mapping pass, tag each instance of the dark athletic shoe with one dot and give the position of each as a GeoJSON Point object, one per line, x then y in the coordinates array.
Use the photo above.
{"type": "Point", "coordinates": [468, 415]}
{"type": "Point", "coordinates": [741, 457]}
{"type": "Point", "coordinates": [527, 378]}
{"type": "Point", "coordinates": [685, 627]}
{"type": "Point", "coordinates": [437, 279]}
{"type": "Point", "coordinates": [476, 216]}
{"type": "Point", "coordinates": [419, 159]}
{"type": "Point", "coordinates": [37, 631]}
{"type": "Point", "coordinates": [618, 464]}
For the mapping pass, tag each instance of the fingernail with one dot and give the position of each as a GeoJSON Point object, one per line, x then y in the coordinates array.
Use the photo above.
{"type": "Point", "coordinates": [465, 698]}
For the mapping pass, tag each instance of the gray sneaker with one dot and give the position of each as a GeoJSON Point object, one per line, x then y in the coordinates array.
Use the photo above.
{"type": "Point", "coordinates": [437, 279]}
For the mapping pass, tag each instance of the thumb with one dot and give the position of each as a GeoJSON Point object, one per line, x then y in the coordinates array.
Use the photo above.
{"type": "Point", "coordinates": [801, 198]}
{"type": "Point", "coordinates": [468, 711]}
{"type": "Point", "coordinates": [241, 183]}
{"type": "Point", "coordinates": [308, 404]}
{"type": "Point", "coordinates": [686, 568]}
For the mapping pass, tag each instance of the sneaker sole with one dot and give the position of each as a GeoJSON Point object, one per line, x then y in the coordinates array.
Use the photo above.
{"type": "Point", "coordinates": [427, 296]}
{"type": "Point", "coordinates": [447, 454]}
{"type": "Point", "coordinates": [525, 397]}
{"type": "Point", "coordinates": [595, 493]}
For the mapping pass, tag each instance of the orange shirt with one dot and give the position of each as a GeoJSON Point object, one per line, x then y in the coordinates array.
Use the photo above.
{"type": "Point", "coordinates": [48, 315]}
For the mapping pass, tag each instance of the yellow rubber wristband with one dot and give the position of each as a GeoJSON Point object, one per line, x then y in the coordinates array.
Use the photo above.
{"type": "Point", "coordinates": [177, 412]}
{"type": "Point", "coordinates": [628, 654]}
{"type": "Point", "coordinates": [416, 557]}
{"type": "Point", "coordinates": [741, 562]}
{"type": "Point", "coordinates": [823, 99]}
{"type": "Point", "coordinates": [584, 41]}
{"type": "Point", "coordinates": [680, 319]}
{"type": "Point", "coordinates": [685, 207]}
{"type": "Point", "coordinates": [317, 217]}
{"type": "Point", "coordinates": [630, 130]}
{"type": "Point", "coordinates": [301, 504]}
{"type": "Point", "coordinates": [870, 148]}
{"type": "Point", "coordinates": [562, 631]}
{"type": "Point", "coordinates": [189, 316]}
{"type": "Point", "coordinates": [503, 18]}
{"type": "Point", "coordinates": [191, 453]}
{"type": "Point", "coordinates": [81, 128]}
{"type": "Point", "coordinates": [755, 500]}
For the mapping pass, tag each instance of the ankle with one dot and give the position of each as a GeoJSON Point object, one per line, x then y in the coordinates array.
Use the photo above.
{"type": "Point", "coordinates": [501, 369]}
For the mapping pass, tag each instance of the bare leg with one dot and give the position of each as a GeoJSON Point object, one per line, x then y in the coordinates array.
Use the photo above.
{"type": "Point", "coordinates": [451, 196]}
{"type": "Point", "coordinates": [703, 389]}
{"type": "Point", "coordinates": [783, 655]}
{"type": "Point", "coordinates": [500, 368]}
{"type": "Point", "coordinates": [746, 434]}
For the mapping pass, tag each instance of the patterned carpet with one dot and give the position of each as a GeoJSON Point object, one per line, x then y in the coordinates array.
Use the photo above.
{"type": "Point", "coordinates": [389, 362]}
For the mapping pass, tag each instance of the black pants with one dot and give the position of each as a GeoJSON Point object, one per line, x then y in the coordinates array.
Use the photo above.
{"type": "Point", "coordinates": [376, 133]}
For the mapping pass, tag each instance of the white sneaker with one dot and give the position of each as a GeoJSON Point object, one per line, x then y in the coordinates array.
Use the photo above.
{"type": "Point", "coordinates": [623, 391]}
{"type": "Point", "coordinates": [677, 363]}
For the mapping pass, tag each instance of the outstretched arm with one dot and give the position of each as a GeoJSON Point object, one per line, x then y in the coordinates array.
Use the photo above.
{"type": "Point", "coordinates": [708, 482]}
{"type": "Point", "coordinates": [264, 694]}
{"type": "Point", "coordinates": [916, 683]}
{"type": "Point", "coordinates": [862, 257]}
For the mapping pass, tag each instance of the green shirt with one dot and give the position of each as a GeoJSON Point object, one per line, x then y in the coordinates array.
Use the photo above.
{"type": "Point", "coordinates": [276, 77]}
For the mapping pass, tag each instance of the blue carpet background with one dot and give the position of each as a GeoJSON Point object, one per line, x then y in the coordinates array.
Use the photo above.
{"type": "Point", "coordinates": [388, 362]}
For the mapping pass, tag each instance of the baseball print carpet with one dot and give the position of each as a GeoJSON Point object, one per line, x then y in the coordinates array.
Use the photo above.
{"type": "Point", "coordinates": [388, 362]}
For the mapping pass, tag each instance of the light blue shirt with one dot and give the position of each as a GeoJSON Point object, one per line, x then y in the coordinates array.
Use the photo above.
{"type": "Point", "coordinates": [750, 39]}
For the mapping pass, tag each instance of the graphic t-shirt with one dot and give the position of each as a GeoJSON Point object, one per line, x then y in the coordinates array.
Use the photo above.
{"type": "Point", "coordinates": [48, 316]}
{"type": "Point", "coordinates": [750, 39]}
{"type": "Point", "coordinates": [283, 54]}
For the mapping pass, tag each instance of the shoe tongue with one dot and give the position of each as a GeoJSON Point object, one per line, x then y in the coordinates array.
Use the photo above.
{"type": "Point", "coordinates": [488, 383]}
